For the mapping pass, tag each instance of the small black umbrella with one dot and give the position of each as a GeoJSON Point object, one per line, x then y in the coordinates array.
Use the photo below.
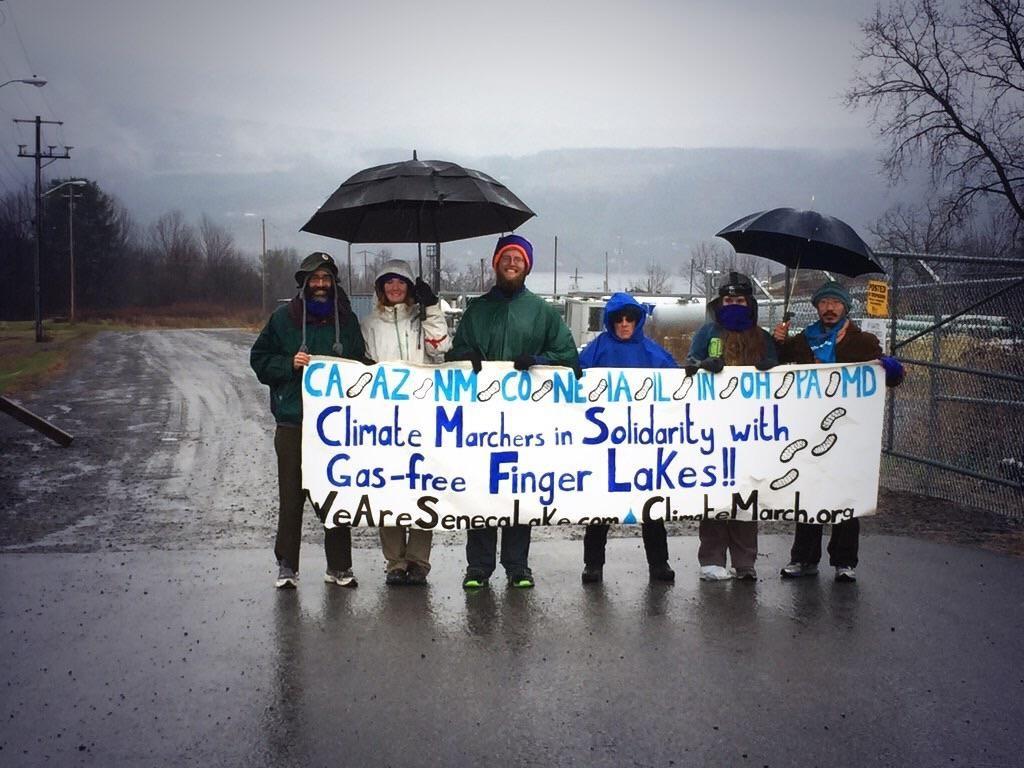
{"type": "Point", "coordinates": [805, 239]}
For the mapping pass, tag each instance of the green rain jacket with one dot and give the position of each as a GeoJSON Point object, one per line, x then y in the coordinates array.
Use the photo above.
{"type": "Point", "coordinates": [500, 327]}
{"type": "Point", "coordinates": [271, 355]}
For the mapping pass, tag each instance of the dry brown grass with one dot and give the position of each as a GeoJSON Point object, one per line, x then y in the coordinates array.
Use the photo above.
{"type": "Point", "coordinates": [25, 363]}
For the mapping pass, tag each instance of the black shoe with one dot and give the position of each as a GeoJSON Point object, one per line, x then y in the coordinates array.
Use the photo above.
{"type": "Point", "coordinates": [522, 580]}
{"type": "Point", "coordinates": [416, 574]}
{"type": "Point", "coordinates": [592, 574]}
{"type": "Point", "coordinates": [662, 573]}
{"type": "Point", "coordinates": [397, 577]}
{"type": "Point", "coordinates": [474, 580]}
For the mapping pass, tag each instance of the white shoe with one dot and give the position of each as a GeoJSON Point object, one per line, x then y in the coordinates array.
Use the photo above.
{"type": "Point", "coordinates": [716, 573]}
{"type": "Point", "coordinates": [845, 573]}
{"type": "Point", "coordinates": [286, 578]}
{"type": "Point", "coordinates": [341, 578]}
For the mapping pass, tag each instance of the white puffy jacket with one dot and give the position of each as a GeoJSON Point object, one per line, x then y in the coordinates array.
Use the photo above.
{"type": "Point", "coordinates": [395, 333]}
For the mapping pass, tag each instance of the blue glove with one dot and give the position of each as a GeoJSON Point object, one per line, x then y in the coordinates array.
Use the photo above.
{"type": "Point", "coordinates": [893, 370]}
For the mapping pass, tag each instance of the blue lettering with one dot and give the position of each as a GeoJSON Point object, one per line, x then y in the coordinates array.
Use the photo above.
{"type": "Point", "coordinates": [320, 424]}
{"type": "Point", "coordinates": [307, 379]}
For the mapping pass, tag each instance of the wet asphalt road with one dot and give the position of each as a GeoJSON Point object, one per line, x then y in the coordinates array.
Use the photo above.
{"type": "Point", "coordinates": [139, 625]}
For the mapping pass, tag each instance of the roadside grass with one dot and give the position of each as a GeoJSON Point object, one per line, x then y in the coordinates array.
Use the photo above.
{"type": "Point", "coordinates": [26, 364]}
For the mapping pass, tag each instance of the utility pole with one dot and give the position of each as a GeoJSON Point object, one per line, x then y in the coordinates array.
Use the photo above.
{"type": "Point", "coordinates": [554, 287]}
{"type": "Point", "coordinates": [71, 251]}
{"type": "Point", "coordinates": [39, 156]}
{"type": "Point", "coordinates": [263, 262]}
{"type": "Point", "coordinates": [349, 269]}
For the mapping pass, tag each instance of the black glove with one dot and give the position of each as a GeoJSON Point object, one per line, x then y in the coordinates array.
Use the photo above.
{"type": "Point", "coordinates": [424, 294]}
{"type": "Point", "coordinates": [577, 372]}
{"type": "Point", "coordinates": [367, 361]}
{"type": "Point", "coordinates": [712, 364]}
{"type": "Point", "coordinates": [764, 364]}
{"type": "Point", "coordinates": [691, 368]}
{"type": "Point", "coordinates": [523, 362]}
{"type": "Point", "coordinates": [472, 356]}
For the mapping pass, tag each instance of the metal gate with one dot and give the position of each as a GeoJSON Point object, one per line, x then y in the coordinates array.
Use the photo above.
{"type": "Point", "coordinates": [955, 428]}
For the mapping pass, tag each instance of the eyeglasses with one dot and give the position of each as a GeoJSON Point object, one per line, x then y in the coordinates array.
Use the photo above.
{"type": "Point", "coordinates": [510, 257]}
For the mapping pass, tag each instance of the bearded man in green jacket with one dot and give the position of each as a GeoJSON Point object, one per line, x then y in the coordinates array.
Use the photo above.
{"type": "Point", "coordinates": [317, 321]}
{"type": "Point", "coordinates": [509, 323]}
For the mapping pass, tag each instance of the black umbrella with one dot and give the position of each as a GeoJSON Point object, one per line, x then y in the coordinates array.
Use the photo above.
{"type": "Point", "coordinates": [418, 201]}
{"type": "Point", "coordinates": [805, 239]}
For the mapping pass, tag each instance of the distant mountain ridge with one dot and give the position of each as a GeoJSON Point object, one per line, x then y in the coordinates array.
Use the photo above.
{"type": "Point", "coordinates": [652, 204]}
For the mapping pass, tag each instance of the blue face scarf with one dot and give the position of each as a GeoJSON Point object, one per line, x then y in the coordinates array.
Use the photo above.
{"type": "Point", "coordinates": [735, 317]}
{"type": "Point", "coordinates": [822, 340]}
{"type": "Point", "coordinates": [320, 309]}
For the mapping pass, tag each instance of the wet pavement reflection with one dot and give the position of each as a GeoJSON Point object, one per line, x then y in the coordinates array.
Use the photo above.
{"type": "Point", "coordinates": [161, 658]}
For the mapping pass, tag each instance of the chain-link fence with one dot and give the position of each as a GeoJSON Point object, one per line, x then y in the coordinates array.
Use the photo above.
{"type": "Point", "coordinates": [955, 428]}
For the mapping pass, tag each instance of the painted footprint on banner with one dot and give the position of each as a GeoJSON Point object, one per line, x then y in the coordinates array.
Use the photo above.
{"type": "Point", "coordinates": [832, 417]}
{"type": "Point", "coordinates": [785, 386]}
{"type": "Point", "coordinates": [492, 389]}
{"type": "Point", "coordinates": [833, 384]}
{"type": "Point", "coordinates": [597, 391]}
{"type": "Point", "coordinates": [645, 389]}
{"type": "Point", "coordinates": [357, 389]}
{"type": "Point", "coordinates": [825, 445]}
{"type": "Point", "coordinates": [726, 393]}
{"type": "Point", "coordinates": [787, 479]}
{"type": "Point", "coordinates": [542, 391]}
{"type": "Point", "coordinates": [423, 389]}
{"type": "Point", "coordinates": [684, 388]}
{"type": "Point", "coordinates": [792, 449]}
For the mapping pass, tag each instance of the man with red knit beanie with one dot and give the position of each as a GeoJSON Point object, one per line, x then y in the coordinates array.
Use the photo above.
{"type": "Point", "coordinates": [509, 323]}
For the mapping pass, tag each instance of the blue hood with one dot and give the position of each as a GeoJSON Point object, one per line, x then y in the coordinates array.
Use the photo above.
{"type": "Point", "coordinates": [617, 303]}
{"type": "Point", "coordinates": [608, 351]}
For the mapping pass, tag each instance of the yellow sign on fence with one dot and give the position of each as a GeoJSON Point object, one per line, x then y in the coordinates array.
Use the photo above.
{"type": "Point", "coordinates": [877, 301]}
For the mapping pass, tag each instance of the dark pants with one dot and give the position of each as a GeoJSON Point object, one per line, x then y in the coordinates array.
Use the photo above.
{"type": "Point", "coordinates": [482, 545]}
{"type": "Point", "coordinates": [337, 541]}
{"type": "Point", "coordinates": [655, 543]}
{"type": "Point", "coordinates": [735, 538]}
{"type": "Point", "coordinates": [842, 544]}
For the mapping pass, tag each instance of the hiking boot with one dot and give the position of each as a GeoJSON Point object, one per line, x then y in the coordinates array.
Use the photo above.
{"type": "Point", "coordinates": [286, 577]}
{"type": "Point", "coordinates": [746, 574]}
{"type": "Point", "coordinates": [474, 580]}
{"type": "Point", "coordinates": [796, 570]}
{"type": "Point", "coordinates": [715, 573]}
{"type": "Point", "coordinates": [416, 574]}
{"type": "Point", "coordinates": [845, 573]}
{"type": "Point", "coordinates": [522, 580]}
{"type": "Point", "coordinates": [396, 577]}
{"type": "Point", "coordinates": [342, 578]}
{"type": "Point", "coordinates": [592, 574]}
{"type": "Point", "coordinates": [662, 573]}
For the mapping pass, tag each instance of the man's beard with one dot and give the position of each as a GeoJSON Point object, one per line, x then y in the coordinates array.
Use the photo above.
{"type": "Point", "coordinates": [507, 285]}
{"type": "Point", "coordinates": [319, 295]}
{"type": "Point", "coordinates": [831, 320]}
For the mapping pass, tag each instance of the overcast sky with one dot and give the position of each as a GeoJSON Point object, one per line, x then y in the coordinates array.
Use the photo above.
{"type": "Point", "coordinates": [150, 89]}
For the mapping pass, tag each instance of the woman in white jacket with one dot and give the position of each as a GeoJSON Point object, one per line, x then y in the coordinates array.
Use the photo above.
{"type": "Point", "coordinates": [394, 331]}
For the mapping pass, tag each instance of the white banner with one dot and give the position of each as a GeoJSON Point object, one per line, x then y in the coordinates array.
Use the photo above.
{"type": "Point", "coordinates": [442, 447]}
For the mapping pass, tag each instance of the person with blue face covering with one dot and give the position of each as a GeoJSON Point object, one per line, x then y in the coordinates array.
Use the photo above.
{"type": "Point", "coordinates": [624, 345]}
{"type": "Point", "coordinates": [731, 338]}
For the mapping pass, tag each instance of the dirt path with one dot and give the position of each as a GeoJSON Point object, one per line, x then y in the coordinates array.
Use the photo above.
{"type": "Point", "coordinates": [173, 450]}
